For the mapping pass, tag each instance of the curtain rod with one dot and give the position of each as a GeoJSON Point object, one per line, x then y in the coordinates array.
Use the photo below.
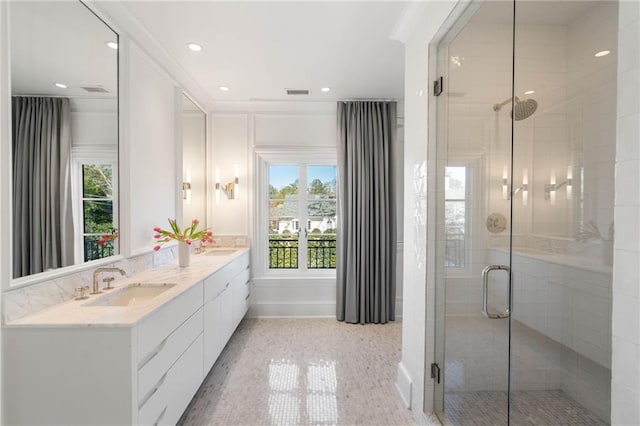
{"type": "Point", "coordinates": [368, 100]}
{"type": "Point", "coordinates": [63, 96]}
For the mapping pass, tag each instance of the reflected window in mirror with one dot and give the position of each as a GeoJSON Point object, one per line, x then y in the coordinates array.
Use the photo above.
{"type": "Point", "coordinates": [64, 86]}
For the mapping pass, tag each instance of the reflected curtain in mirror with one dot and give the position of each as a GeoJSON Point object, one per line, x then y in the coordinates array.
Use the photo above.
{"type": "Point", "coordinates": [42, 218]}
{"type": "Point", "coordinates": [366, 266]}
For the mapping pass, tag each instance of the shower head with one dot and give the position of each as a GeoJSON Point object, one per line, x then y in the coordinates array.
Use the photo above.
{"type": "Point", "coordinates": [523, 109]}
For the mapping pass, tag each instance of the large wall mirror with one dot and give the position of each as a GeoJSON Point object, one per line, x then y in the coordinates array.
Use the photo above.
{"type": "Point", "coordinates": [194, 149]}
{"type": "Point", "coordinates": [64, 83]}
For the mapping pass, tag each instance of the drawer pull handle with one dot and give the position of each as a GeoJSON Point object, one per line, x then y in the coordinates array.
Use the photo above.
{"type": "Point", "coordinates": [246, 298]}
{"type": "Point", "coordinates": [153, 354]}
{"type": "Point", "coordinates": [152, 391]}
{"type": "Point", "coordinates": [164, 411]}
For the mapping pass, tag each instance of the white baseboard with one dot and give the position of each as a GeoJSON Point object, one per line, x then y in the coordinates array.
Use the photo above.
{"type": "Point", "coordinates": [404, 385]}
{"type": "Point", "coordinates": [292, 309]}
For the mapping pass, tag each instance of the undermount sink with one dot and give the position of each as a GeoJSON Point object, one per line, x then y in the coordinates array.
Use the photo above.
{"type": "Point", "coordinates": [220, 252]}
{"type": "Point", "coordinates": [131, 295]}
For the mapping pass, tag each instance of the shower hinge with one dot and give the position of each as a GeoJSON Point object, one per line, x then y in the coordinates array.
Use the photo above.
{"type": "Point", "coordinates": [437, 86]}
{"type": "Point", "coordinates": [435, 372]}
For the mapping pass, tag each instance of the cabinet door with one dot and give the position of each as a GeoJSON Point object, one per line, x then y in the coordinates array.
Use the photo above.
{"type": "Point", "coordinates": [226, 310]}
{"type": "Point", "coordinates": [240, 294]}
{"type": "Point", "coordinates": [213, 332]}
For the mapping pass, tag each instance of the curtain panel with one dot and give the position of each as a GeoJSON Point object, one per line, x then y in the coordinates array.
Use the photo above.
{"type": "Point", "coordinates": [42, 216]}
{"type": "Point", "coordinates": [366, 266]}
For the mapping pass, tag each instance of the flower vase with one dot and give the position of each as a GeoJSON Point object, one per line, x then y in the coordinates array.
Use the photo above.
{"type": "Point", "coordinates": [184, 254]}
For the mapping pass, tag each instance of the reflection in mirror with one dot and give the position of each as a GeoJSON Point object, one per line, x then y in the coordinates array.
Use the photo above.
{"type": "Point", "coordinates": [194, 141]}
{"type": "Point", "coordinates": [64, 85]}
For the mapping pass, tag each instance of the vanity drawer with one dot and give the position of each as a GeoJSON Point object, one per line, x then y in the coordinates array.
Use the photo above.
{"type": "Point", "coordinates": [159, 325]}
{"type": "Point", "coordinates": [215, 283]}
{"type": "Point", "coordinates": [167, 352]}
{"type": "Point", "coordinates": [173, 392]}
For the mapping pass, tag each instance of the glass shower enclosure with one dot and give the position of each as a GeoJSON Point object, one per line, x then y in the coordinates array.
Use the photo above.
{"type": "Point", "coordinates": [526, 150]}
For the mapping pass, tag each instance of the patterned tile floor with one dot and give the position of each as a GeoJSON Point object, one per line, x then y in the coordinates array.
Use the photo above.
{"type": "Point", "coordinates": [303, 372]}
{"type": "Point", "coordinates": [551, 407]}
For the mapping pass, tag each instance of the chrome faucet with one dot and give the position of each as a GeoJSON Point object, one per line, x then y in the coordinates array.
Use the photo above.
{"type": "Point", "coordinates": [96, 288]}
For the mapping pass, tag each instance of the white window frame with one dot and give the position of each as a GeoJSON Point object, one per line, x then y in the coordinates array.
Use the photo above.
{"type": "Point", "coordinates": [90, 155]}
{"type": "Point", "coordinates": [283, 156]}
{"type": "Point", "coordinates": [474, 202]}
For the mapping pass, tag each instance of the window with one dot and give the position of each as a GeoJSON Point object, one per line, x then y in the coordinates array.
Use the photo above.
{"type": "Point", "coordinates": [290, 247]}
{"type": "Point", "coordinates": [95, 202]}
{"type": "Point", "coordinates": [455, 206]}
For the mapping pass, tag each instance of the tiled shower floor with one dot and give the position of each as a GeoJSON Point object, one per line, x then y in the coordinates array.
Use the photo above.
{"type": "Point", "coordinates": [489, 408]}
{"type": "Point", "coordinates": [303, 372]}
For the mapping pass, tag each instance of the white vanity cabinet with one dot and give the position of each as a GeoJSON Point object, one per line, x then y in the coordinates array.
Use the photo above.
{"type": "Point", "coordinates": [226, 294]}
{"type": "Point", "coordinates": [90, 375]}
{"type": "Point", "coordinates": [145, 371]}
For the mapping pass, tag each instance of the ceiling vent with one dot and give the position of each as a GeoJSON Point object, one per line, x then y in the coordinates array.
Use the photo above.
{"type": "Point", "coordinates": [95, 89]}
{"type": "Point", "coordinates": [297, 91]}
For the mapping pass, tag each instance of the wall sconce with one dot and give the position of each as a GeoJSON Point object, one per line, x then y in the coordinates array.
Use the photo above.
{"type": "Point", "coordinates": [524, 187]}
{"type": "Point", "coordinates": [552, 187]}
{"type": "Point", "coordinates": [186, 192]}
{"type": "Point", "coordinates": [505, 183]}
{"type": "Point", "coordinates": [230, 189]}
{"type": "Point", "coordinates": [186, 188]}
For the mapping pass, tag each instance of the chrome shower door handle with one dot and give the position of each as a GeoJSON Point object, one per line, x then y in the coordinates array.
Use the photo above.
{"type": "Point", "coordinates": [485, 292]}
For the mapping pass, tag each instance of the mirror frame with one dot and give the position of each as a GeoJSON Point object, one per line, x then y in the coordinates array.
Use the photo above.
{"type": "Point", "coordinates": [6, 180]}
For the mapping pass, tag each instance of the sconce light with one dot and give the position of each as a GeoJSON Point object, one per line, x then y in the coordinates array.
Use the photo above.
{"type": "Point", "coordinates": [230, 189]}
{"type": "Point", "coordinates": [505, 183]}
{"type": "Point", "coordinates": [186, 187]}
{"type": "Point", "coordinates": [524, 187]}
{"type": "Point", "coordinates": [552, 187]}
{"type": "Point", "coordinates": [186, 192]}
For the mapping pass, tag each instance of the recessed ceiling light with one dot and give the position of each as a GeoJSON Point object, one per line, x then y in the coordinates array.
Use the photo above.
{"type": "Point", "coordinates": [602, 53]}
{"type": "Point", "coordinates": [60, 85]}
{"type": "Point", "coordinates": [195, 47]}
{"type": "Point", "coordinates": [113, 45]}
{"type": "Point", "coordinates": [326, 89]}
{"type": "Point", "coordinates": [529, 92]}
{"type": "Point", "coordinates": [223, 88]}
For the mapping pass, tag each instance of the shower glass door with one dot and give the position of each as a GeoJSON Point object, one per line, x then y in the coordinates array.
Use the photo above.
{"type": "Point", "coordinates": [474, 217]}
{"type": "Point", "coordinates": [526, 151]}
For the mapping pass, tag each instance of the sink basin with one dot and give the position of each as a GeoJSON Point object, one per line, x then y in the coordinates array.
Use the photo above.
{"type": "Point", "coordinates": [220, 252]}
{"type": "Point", "coordinates": [131, 295]}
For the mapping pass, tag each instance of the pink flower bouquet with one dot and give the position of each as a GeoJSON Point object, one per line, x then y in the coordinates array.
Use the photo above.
{"type": "Point", "coordinates": [187, 235]}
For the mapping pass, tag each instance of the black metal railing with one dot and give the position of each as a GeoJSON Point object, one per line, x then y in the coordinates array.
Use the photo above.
{"type": "Point", "coordinates": [455, 251]}
{"type": "Point", "coordinates": [283, 253]}
{"type": "Point", "coordinates": [93, 250]}
{"type": "Point", "coordinates": [321, 252]}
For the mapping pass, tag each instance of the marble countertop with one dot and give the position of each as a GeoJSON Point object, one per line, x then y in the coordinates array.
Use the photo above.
{"type": "Point", "coordinates": [82, 313]}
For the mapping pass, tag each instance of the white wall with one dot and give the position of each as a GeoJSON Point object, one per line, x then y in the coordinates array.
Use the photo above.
{"type": "Point", "coordinates": [151, 150]}
{"type": "Point", "coordinates": [417, 208]}
{"type": "Point", "coordinates": [94, 121]}
{"type": "Point", "coordinates": [625, 387]}
{"type": "Point", "coordinates": [238, 130]}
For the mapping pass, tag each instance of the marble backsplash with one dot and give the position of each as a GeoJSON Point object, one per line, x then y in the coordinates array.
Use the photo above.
{"type": "Point", "coordinates": [28, 300]}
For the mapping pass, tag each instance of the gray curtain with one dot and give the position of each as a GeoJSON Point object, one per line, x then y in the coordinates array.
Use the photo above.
{"type": "Point", "coordinates": [367, 238]}
{"type": "Point", "coordinates": [42, 217]}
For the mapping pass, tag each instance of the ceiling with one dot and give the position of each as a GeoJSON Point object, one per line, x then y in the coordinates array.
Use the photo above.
{"type": "Point", "coordinates": [60, 42]}
{"type": "Point", "coordinates": [259, 49]}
